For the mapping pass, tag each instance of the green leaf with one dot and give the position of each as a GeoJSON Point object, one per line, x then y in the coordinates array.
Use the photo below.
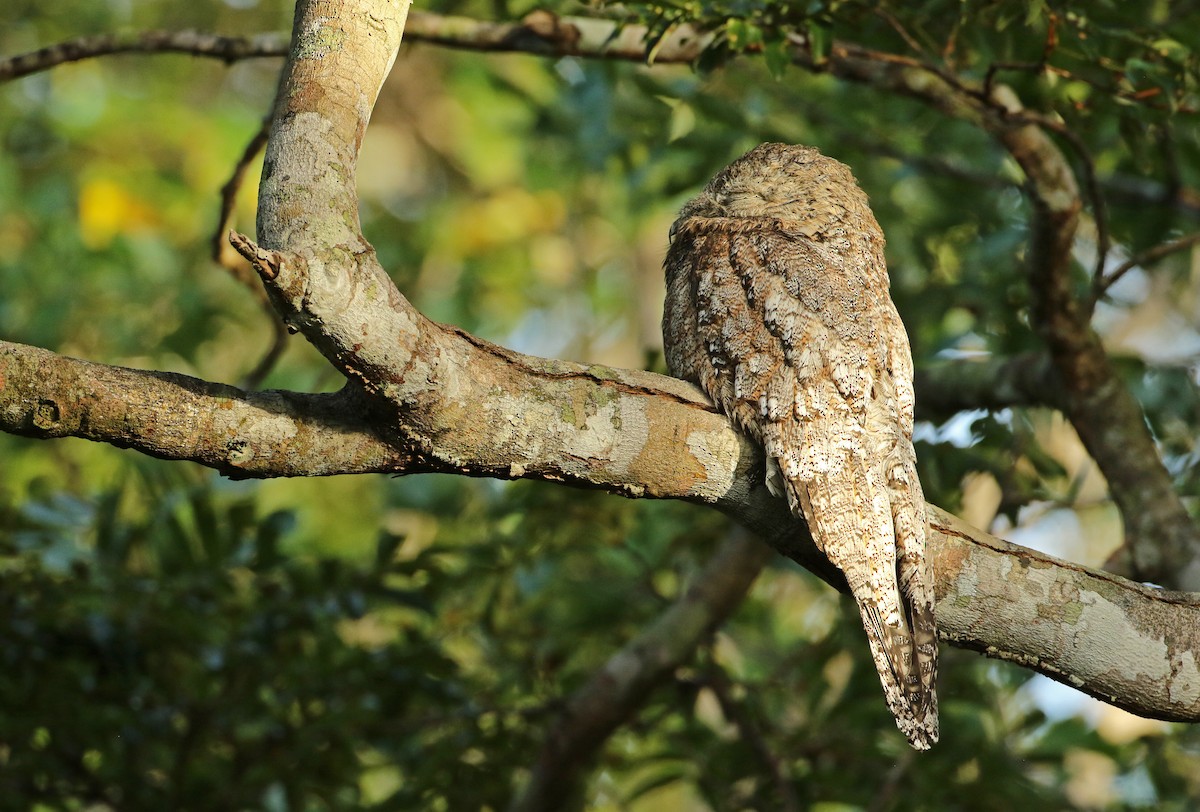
{"type": "Point", "coordinates": [1172, 49]}
{"type": "Point", "coordinates": [778, 56]}
{"type": "Point", "coordinates": [820, 38]}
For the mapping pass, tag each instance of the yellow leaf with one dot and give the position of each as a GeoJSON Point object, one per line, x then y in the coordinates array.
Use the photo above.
{"type": "Point", "coordinates": [107, 209]}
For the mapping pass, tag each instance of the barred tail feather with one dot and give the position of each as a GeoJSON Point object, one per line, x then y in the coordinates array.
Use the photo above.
{"type": "Point", "coordinates": [900, 658]}
{"type": "Point", "coordinates": [896, 616]}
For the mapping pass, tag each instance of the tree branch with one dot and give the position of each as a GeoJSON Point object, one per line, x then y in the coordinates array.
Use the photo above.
{"type": "Point", "coordinates": [195, 43]}
{"type": "Point", "coordinates": [1161, 542]}
{"type": "Point", "coordinates": [616, 692]}
{"type": "Point", "coordinates": [458, 399]}
{"type": "Point", "coordinates": [991, 383]}
{"type": "Point", "coordinates": [456, 403]}
{"type": "Point", "coordinates": [546, 34]}
{"type": "Point", "coordinates": [175, 417]}
{"type": "Point", "coordinates": [1125, 643]}
{"type": "Point", "coordinates": [748, 730]}
{"type": "Point", "coordinates": [1148, 257]}
{"type": "Point", "coordinates": [539, 33]}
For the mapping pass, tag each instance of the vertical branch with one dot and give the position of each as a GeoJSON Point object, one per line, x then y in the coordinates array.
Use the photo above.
{"type": "Point", "coordinates": [321, 273]}
{"type": "Point", "coordinates": [1161, 542]}
{"type": "Point", "coordinates": [341, 52]}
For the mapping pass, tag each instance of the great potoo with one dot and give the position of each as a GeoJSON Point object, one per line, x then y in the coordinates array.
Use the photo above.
{"type": "Point", "coordinates": [778, 307]}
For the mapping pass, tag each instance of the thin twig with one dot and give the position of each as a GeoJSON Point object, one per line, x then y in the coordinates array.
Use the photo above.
{"type": "Point", "coordinates": [951, 44]}
{"type": "Point", "coordinates": [989, 78]}
{"type": "Point", "coordinates": [229, 193]}
{"type": "Point", "coordinates": [1146, 257]}
{"type": "Point", "coordinates": [1170, 157]}
{"type": "Point", "coordinates": [196, 43]}
{"type": "Point", "coordinates": [279, 336]}
{"type": "Point", "coordinates": [239, 269]}
{"type": "Point", "coordinates": [908, 38]}
{"type": "Point", "coordinates": [1139, 190]}
{"type": "Point", "coordinates": [1091, 183]}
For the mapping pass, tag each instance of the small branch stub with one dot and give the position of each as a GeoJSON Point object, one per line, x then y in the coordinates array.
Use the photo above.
{"type": "Point", "coordinates": [267, 263]}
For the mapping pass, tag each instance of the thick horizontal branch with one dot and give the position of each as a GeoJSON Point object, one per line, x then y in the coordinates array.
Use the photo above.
{"type": "Point", "coordinates": [1125, 643]}
{"type": "Point", "coordinates": [1088, 629]}
{"type": "Point", "coordinates": [177, 417]}
{"type": "Point", "coordinates": [1162, 542]}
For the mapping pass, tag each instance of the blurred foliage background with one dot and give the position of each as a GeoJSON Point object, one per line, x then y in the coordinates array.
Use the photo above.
{"type": "Point", "coordinates": [172, 640]}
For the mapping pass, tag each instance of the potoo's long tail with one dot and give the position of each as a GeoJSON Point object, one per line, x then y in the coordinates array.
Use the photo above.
{"type": "Point", "coordinates": [891, 585]}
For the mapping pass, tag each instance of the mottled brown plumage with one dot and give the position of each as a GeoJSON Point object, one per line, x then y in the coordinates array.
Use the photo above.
{"type": "Point", "coordinates": [778, 307]}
